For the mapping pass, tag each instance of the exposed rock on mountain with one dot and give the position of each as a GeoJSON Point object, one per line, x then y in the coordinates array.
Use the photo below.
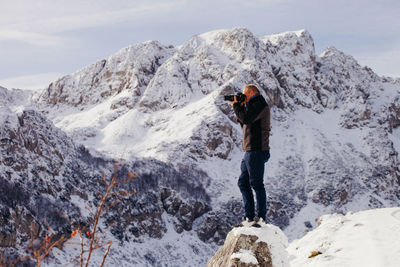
{"type": "Point", "coordinates": [293, 62]}
{"type": "Point", "coordinates": [128, 71]}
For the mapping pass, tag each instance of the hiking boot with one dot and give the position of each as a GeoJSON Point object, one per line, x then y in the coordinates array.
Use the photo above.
{"type": "Point", "coordinates": [244, 219]}
{"type": "Point", "coordinates": [262, 220]}
{"type": "Point", "coordinates": [255, 222]}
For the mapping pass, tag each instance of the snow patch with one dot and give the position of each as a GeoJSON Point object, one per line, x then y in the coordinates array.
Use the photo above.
{"type": "Point", "coordinates": [245, 256]}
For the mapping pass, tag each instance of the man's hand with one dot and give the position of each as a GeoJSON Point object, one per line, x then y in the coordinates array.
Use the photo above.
{"type": "Point", "coordinates": [234, 101]}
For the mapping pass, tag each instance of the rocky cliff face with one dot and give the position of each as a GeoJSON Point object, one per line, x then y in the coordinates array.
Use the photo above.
{"type": "Point", "coordinates": [127, 72]}
{"type": "Point", "coordinates": [334, 143]}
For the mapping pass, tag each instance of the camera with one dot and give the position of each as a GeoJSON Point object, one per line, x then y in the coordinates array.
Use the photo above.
{"type": "Point", "coordinates": [239, 97]}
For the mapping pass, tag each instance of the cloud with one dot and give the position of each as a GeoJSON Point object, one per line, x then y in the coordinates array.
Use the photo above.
{"type": "Point", "coordinates": [32, 38]}
{"type": "Point", "coordinates": [35, 82]}
{"type": "Point", "coordinates": [73, 15]}
{"type": "Point", "coordinates": [44, 22]}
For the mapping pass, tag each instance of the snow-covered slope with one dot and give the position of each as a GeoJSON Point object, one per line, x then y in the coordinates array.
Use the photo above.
{"type": "Point", "coordinates": [335, 137]}
{"type": "Point", "coordinates": [367, 238]}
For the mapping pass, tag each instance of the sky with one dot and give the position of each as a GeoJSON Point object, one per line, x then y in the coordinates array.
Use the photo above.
{"type": "Point", "coordinates": [42, 40]}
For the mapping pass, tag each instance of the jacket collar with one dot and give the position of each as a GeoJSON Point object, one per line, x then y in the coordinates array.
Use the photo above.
{"type": "Point", "coordinates": [251, 98]}
{"type": "Point", "coordinates": [254, 96]}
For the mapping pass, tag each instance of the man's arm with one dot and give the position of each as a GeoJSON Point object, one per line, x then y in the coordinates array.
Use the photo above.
{"type": "Point", "coordinates": [246, 116]}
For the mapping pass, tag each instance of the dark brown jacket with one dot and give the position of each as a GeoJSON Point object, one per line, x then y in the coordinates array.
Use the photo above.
{"type": "Point", "coordinates": [255, 120]}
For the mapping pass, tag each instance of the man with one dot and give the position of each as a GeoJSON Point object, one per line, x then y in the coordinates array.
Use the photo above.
{"type": "Point", "coordinates": [254, 117]}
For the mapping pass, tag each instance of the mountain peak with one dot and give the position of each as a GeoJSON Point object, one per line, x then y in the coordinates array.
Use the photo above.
{"type": "Point", "coordinates": [232, 41]}
{"type": "Point", "coordinates": [331, 50]}
{"type": "Point", "coordinates": [129, 69]}
{"type": "Point", "coordinates": [290, 36]}
{"type": "Point", "coordinates": [216, 34]}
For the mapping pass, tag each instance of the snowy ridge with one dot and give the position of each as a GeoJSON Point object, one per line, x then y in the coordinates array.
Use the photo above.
{"type": "Point", "coordinates": [367, 238]}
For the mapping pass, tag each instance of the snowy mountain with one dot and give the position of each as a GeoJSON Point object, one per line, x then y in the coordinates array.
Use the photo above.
{"type": "Point", "coordinates": [335, 137]}
{"type": "Point", "coordinates": [49, 182]}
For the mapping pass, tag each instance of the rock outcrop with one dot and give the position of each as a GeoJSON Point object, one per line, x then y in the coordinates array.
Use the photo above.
{"type": "Point", "coordinates": [248, 246]}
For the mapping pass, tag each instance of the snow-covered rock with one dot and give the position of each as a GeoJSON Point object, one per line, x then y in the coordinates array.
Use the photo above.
{"type": "Point", "coordinates": [248, 246]}
{"type": "Point", "coordinates": [124, 75]}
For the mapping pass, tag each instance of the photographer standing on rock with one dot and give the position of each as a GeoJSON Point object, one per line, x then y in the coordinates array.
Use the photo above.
{"type": "Point", "coordinates": [253, 113]}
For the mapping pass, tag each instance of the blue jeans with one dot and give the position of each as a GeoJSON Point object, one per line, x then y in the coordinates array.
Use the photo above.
{"type": "Point", "coordinates": [252, 177]}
